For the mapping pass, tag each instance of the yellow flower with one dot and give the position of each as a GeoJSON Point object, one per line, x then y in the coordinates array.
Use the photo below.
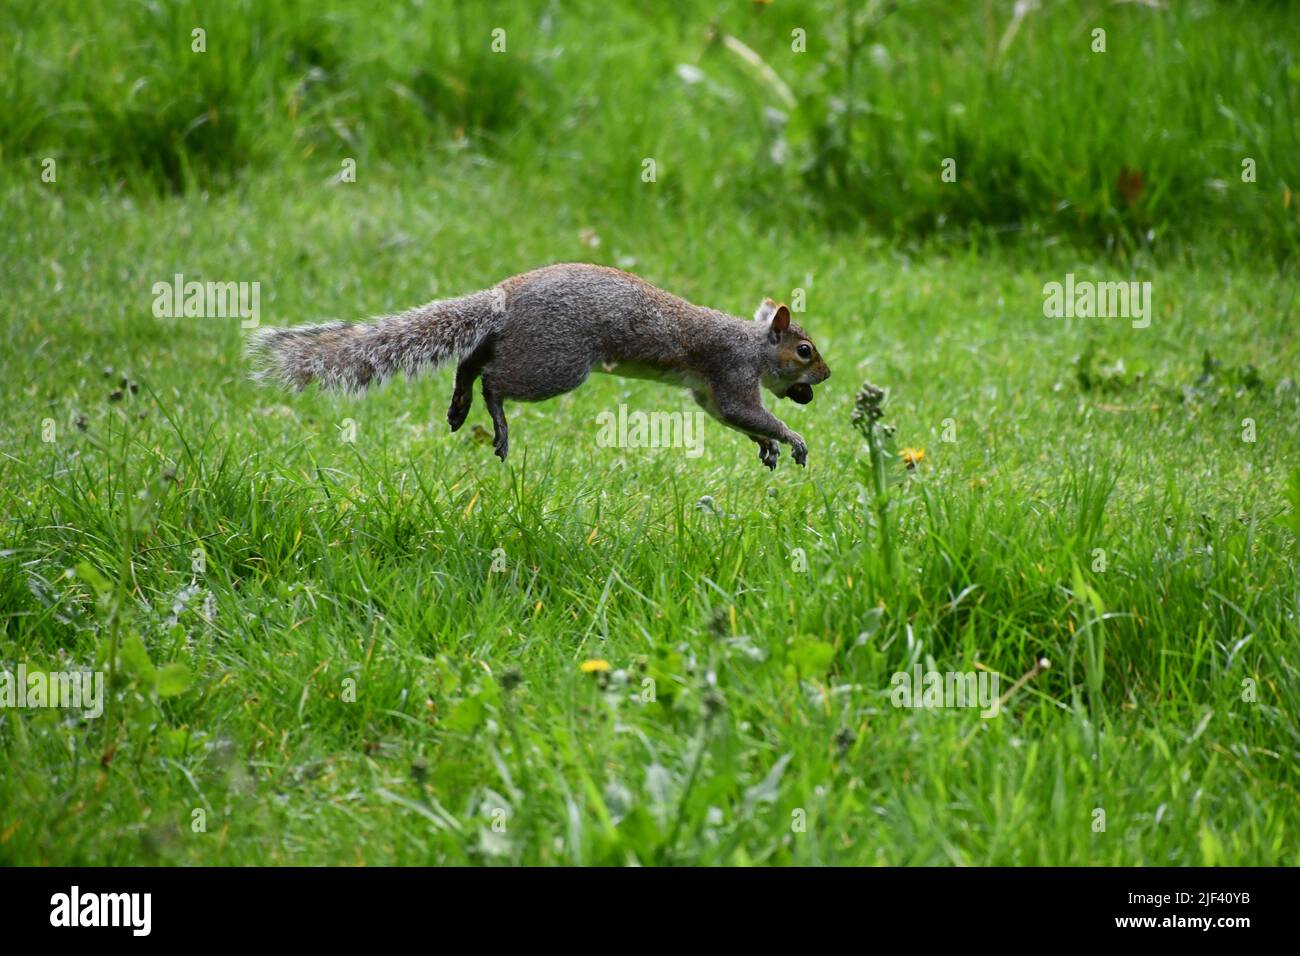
{"type": "Point", "coordinates": [594, 666]}
{"type": "Point", "coordinates": [911, 456]}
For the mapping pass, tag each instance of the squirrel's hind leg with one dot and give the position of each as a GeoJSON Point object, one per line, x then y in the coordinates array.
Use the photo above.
{"type": "Point", "coordinates": [461, 399]}
{"type": "Point", "coordinates": [501, 443]}
{"type": "Point", "coordinates": [462, 396]}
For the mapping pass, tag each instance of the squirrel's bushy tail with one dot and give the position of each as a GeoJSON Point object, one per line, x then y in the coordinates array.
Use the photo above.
{"type": "Point", "coordinates": [352, 356]}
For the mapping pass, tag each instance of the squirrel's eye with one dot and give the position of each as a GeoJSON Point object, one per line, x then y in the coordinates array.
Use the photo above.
{"type": "Point", "coordinates": [804, 350]}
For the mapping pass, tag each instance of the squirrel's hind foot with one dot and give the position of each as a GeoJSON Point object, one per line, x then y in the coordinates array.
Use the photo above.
{"type": "Point", "coordinates": [459, 409]}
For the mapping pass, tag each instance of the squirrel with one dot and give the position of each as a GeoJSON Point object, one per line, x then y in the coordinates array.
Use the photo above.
{"type": "Point", "coordinates": [541, 333]}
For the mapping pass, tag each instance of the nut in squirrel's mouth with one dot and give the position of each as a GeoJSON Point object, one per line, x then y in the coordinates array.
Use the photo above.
{"type": "Point", "coordinates": [800, 393]}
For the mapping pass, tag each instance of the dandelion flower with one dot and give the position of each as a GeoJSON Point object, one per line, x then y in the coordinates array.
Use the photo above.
{"type": "Point", "coordinates": [911, 456]}
{"type": "Point", "coordinates": [594, 666]}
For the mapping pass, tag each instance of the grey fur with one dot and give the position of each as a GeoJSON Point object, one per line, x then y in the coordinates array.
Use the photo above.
{"type": "Point", "coordinates": [352, 356]}
{"type": "Point", "coordinates": [540, 334]}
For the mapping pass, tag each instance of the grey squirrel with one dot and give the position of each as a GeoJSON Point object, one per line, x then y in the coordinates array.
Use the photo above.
{"type": "Point", "coordinates": [540, 334]}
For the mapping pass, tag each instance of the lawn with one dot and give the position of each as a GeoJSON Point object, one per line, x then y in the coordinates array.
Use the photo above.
{"type": "Point", "coordinates": [336, 633]}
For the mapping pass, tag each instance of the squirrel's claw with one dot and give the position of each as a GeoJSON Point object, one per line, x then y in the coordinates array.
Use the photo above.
{"type": "Point", "coordinates": [501, 445]}
{"type": "Point", "coordinates": [799, 451]}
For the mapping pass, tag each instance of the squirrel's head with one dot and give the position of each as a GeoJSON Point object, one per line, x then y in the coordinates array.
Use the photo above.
{"type": "Point", "coordinates": [793, 365]}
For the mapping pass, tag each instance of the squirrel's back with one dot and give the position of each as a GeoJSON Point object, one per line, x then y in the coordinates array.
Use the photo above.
{"type": "Point", "coordinates": [619, 315]}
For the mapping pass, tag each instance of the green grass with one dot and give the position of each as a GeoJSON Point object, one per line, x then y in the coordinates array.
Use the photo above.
{"type": "Point", "coordinates": [370, 651]}
{"type": "Point", "coordinates": [1137, 147]}
{"type": "Point", "coordinates": [327, 562]}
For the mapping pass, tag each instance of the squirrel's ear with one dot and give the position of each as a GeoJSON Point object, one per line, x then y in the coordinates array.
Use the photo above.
{"type": "Point", "coordinates": [780, 322]}
{"type": "Point", "coordinates": [765, 311]}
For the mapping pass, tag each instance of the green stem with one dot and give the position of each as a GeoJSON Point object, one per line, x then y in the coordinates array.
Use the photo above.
{"type": "Point", "coordinates": [881, 504]}
{"type": "Point", "coordinates": [686, 792]}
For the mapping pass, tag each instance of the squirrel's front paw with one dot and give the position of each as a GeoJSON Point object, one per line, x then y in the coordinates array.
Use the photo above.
{"type": "Point", "coordinates": [501, 446]}
{"type": "Point", "coordinates": [768, 452]}
{"type": "Point", "coordinates": [799, 450]}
